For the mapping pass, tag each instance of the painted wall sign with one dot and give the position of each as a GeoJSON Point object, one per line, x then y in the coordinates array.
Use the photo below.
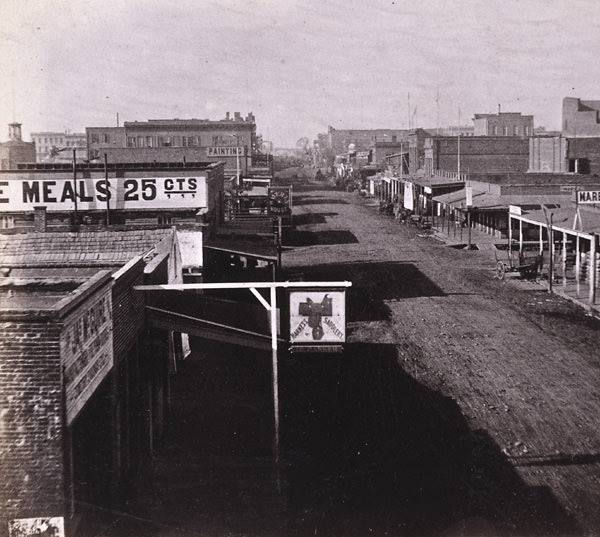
{"type": "Point", "coordinates": [32, 527]}
{"type": "Point", "coordinates": [86, 347]}
{"type": "Point", "coordinates": [588, 196]}
{"type": "Point", "coordinates": [225, 151]}
{"type": "Point", "coordinates": [317, 316]}
{"type": "Point", "coordinates": [92, 194]}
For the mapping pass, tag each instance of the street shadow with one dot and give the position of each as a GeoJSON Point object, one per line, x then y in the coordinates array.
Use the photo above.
{"type": "Point", "coordinates": [313, 238]}
{"type": "Point", "coordinates": [312, 218]}
{"type": "Point", "coordinates": [371, 451]}
{"type": "Point", "coordinates": [312, 200]}
{"type": "Point", "coordinates": [373, 284]}
{"type": "Point", "coordinates": [313, 187]}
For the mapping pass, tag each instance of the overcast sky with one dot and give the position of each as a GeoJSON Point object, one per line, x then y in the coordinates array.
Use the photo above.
{"type": "Point", "coordinates": [299, 66]}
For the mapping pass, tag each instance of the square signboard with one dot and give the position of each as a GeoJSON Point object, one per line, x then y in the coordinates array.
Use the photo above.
{"type": "Point", "coordinates": [317, 316]}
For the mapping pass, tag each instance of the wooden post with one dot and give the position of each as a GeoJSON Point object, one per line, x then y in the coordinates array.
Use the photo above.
{"type": "Point", "coordinates": [577, 266]}
{"type": "Point", "coordinates": [592, 270]}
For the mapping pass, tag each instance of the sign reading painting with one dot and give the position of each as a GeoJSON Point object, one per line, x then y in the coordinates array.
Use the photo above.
{"type": "Point", "coordinates": [86, 347]}
{"type": "Point", "coordinates": [588, 196]}
{"type": "Point", "coordinates": [225, 151]}
{"type": "Point", "coordinates": [317, 316]}
{"type": "Point", "coordinates": [93, 194]}
{"type": "Point", "coordinates": [32, 527]}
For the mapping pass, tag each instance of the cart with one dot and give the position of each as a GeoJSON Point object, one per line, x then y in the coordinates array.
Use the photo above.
{"type": "Point", "coordinates": [527, 266]}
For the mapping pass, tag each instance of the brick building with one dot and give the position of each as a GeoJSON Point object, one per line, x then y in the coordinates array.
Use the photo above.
{"type": "Point", "coordinates": [79, 413]}
{"type": "Point", "coordinates": [143, 194]}
{"type": "Point", "coordinates": [15, 151]}
{"type": "Point", "coordinates": [560, 154]}
{"type": "Point", "coordinates": [502, 124]}
{"type": "Point", "coordinates": [232, 140]}
{"type": "Point", "coordinates": [59, 146]}
{"type": "Point", "coordinates": [477, 154]}
{"type": "Point", "coordinates": [338, 141]}
{"type": "Point", "coordinates": [580, 118]}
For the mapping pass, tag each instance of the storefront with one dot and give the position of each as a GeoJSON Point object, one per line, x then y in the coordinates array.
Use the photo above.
{"type": "Point", "coordinates": [568, 238]}
{"type": "Point", "coordinates": [85, 386]}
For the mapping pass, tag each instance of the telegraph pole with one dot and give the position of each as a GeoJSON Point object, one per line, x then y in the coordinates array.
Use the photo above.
{"type": "Point", "coordinates": [107, 190]}
{"type": "Point", "coordinates": [75, 186]}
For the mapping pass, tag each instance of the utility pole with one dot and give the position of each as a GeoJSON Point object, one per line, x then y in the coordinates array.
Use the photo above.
{"type": "Point", "coordinates": [76, 216]}
{"type": "Point", "coordinates": [107, 190]}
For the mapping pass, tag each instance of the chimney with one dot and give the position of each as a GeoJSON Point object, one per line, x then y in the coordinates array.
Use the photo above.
{"type": "Point", "coordinates": [227, 116]}
{"type": "Point", "coordinates": [39, 219]}
{"type": "Point", "coordinates": [499, 110]}
{"type": "Point", "coordinates": [14, 132]}
{"type": "Point", "coordinates": [237, 116]}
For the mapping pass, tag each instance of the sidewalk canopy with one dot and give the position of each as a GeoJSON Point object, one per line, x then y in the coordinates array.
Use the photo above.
{"type": "Point", "coordinates": [566, 219]}
{"type": "Point", "coordinates": [485, 201]}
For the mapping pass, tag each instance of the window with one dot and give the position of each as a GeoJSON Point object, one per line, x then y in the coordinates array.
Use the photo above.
{"type": "Point", "coordinates": [165, 141]}
{"type": "Point", "coordinates": [94, 138]}
{"type": "Point", "coordinates": [140, 141]}
{"type": "Point", "coordinates": [130, 141]}
{"type": "Point", "coordinates": [149, 141]}
{"type": "Point", "coordinates": [105, 138]}
{"type": "Point", "coordinates": [7, 222]}
{"type": "Point", "coordinates": [526, 130]}
{"type": "Point", "coordinates": [176, 141]}
{"type": "Point", "coordinates": [495, 130]}
{"type": "Point", "coordinates": [165, 219]}
{"type": "Point", "coordinates": [516, 130]}
{"type": "Point", "coordinates": [505, 130]}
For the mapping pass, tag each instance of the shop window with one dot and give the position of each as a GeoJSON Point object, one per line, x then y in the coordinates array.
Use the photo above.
{"type": "Point", "coordinates": [7, 222]}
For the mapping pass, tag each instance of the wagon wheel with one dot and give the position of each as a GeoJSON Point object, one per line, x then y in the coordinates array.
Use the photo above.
{"type": "Point", "coordinates": [500, 270]}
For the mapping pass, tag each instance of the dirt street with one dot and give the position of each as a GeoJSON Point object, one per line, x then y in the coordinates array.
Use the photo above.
{"type": "Point", "coordinates": [463, 405]}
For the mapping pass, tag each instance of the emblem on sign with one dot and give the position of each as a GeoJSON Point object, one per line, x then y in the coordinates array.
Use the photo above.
{"type": "Point", "coordinates": [317, 317]}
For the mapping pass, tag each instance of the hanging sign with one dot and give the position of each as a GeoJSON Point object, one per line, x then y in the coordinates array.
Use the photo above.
{"type": "Point", "coordinates": [317, 317]}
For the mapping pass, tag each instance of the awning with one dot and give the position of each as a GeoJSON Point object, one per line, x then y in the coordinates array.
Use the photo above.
{"type": "Point", "coordinates": [485, 201]}
{"type": "Point", "coordinates": [254, 248]}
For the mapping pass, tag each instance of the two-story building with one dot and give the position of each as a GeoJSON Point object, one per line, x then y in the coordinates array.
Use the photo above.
{"type": "Point", "coordinates": [232, 140]}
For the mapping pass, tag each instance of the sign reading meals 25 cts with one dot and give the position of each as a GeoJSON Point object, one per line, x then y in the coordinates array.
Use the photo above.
{"type": "Point", "coordinates": [121, 193]}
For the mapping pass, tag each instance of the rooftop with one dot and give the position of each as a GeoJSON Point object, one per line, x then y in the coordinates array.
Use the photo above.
{"type": "Point", "coordinates": [76, 249]}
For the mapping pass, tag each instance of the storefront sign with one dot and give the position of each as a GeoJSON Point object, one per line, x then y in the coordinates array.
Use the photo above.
{"type": "Point", "coordinates": [37, 527]}
{"type": "Point", "coordinates": [86, 347]}
{"type": "Point", "coordinates": [280, 200]}
{"type": "Point", "coordinates": [225, 151]}
{"type": "Point", "coordinates": [409, 200]}
{"type": "Point", "coordinates": [588, 196]}
{"type": "Point", "coordinates": [92, 194]}
{"type": "Point", "coordinates": [317, 317]}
